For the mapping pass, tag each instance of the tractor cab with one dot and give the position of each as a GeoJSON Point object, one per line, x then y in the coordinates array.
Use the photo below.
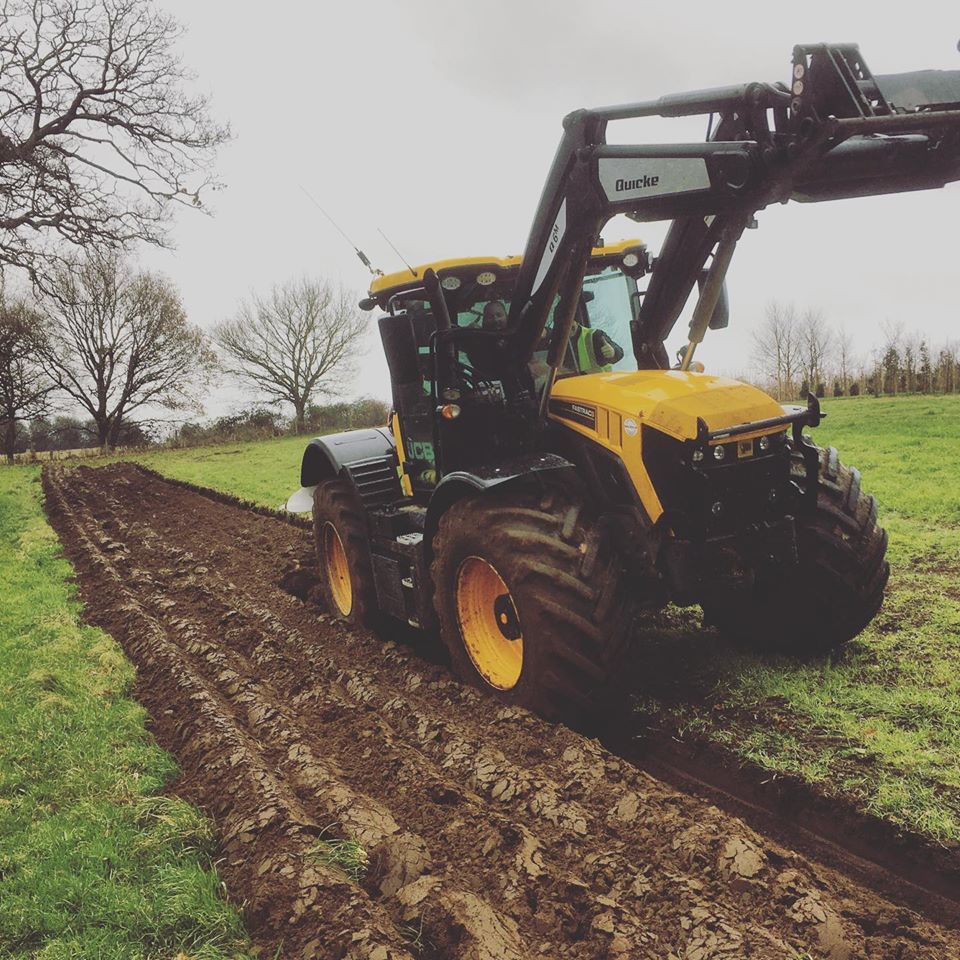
{"type": "Point", "coordinates": [463, 394]}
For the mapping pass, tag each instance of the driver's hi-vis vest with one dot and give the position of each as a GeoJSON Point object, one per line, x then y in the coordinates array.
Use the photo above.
{"type": "Point", "coordinates": [587, 344]}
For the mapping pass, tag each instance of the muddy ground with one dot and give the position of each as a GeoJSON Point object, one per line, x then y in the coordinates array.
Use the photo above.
{"type": "Point", "coordinates": [490, 834]}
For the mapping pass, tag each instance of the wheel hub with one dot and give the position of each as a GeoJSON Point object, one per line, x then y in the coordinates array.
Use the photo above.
{"type": "Point", "coordinates": [489, 624]}
{"type": "Point", "coordinates": [506, 614]}
{"type": "Point", "coordinates": [337, 569]}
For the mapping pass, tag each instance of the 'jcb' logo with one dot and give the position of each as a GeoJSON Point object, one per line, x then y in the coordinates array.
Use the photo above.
{"type": "Point", "coordinates": [420, 450]}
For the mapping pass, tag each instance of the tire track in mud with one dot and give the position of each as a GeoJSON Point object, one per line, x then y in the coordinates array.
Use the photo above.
{"type": "Point", "coordinates": [906, 867]}
{"type": "Point", "coordinates": [490, 833]}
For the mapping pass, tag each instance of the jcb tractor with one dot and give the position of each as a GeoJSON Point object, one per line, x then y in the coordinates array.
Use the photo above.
{"type": "Point", "coordinates": [549, 473]}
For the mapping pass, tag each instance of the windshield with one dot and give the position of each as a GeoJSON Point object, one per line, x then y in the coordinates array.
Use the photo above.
{"type": "Point", "coordinates": [600, 340]}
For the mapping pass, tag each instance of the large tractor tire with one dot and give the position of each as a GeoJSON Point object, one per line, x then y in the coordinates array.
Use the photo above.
{"type": "Point", "coordinates": [837, 587]}
{"type": "Point", "coordinates": [343, 554]}
{"type": "Point", "coordinates": [532, 598]}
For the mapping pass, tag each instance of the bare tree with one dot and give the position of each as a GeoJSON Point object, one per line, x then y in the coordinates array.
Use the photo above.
{"type": "Point", "coordinates": [814, 344]}
{"type": "Point", "coordinates": [845, 357]}
{"type": "Point", "coordinates": [776, 347]}
{"type": "Point", "coordinates": [947, 379]}
{"type": "Point", "coordinates": [120, 340]}
{"type": "Point", "coordinates": [98, 138]}
{"type": "Point", "coordinates": [891, 357]}
{"type": "Point", "coordinates": [24, 386]}
{"type": "Point", "coordinates": [299, 341]}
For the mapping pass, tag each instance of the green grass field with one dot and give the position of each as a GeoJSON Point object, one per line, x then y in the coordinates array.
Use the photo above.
{"type": "Point", "coordinates": [266, 472]}
{"type": "Point", "coordinates": [881, 720]}
{"type": "Point", "coordinates": [95, 861]}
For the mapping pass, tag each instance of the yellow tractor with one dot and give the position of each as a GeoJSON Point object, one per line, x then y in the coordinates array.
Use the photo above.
{"type": "Point", "coordinates": [548, 474]}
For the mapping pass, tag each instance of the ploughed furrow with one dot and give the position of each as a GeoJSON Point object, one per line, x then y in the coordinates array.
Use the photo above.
{"type": "Point", "coordinates": [489, 832]}
{"type": "Point", "coordinates": [533, 874]}
{"type": "Point", "coordinates": [267, 837]}
{"type": "Point", "coordinates": [411, 785]}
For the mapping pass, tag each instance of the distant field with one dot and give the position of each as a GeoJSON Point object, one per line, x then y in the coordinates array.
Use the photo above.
{"type": "Point", "coordinates": [96, 860]}
{"type": "Point", "coordinates": [881, 721]}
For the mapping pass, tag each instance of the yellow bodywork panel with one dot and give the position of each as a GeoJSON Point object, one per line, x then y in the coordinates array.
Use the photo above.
{"type": "Point", "coordinates": [405, 483]}
{"type": "Point", "coordinates": [405, 278]}
{"type": "Point", "coordinates": [610, 409]}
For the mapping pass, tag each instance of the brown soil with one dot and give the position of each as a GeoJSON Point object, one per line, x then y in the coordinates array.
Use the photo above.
{"type": "Point", "coordinates": [491, 834]}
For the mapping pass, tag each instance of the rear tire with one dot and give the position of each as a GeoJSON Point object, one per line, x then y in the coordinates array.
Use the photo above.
{"type": "Point", "coordinates": [343, 554]}
{"type": "Point", "coordinates": [534, 563]}
{"type": "Point", "coordinates": [837, 587]}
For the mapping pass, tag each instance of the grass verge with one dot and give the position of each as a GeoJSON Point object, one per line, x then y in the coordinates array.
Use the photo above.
{"type": "Point", "coordinates": [264, 472]}
{"type": "Point", "coordinates": [95, 861]}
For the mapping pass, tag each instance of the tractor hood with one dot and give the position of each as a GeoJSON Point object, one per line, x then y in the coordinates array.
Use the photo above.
{"type": "Point", "coordinates": [669, 400]}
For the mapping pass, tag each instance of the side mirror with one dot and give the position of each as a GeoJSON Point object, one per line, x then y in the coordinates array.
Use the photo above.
{"type": "Point", "coordinates": [720, 319]}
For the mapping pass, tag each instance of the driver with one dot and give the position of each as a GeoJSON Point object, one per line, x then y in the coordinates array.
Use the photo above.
{"type": "Point", "coordinates": [494, 316]}
{"type": "Point", "coordinates": [589, 350]}
{"type": "Point", "coordinates": [483, 353]}
{"type": "Point", "coordinates": [594, 350]}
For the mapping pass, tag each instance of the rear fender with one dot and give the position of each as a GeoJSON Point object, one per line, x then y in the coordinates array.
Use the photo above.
{"type": "Point", "coordinates": [528, 468]}
{"type": "Point", "coordinates": [353, 455]}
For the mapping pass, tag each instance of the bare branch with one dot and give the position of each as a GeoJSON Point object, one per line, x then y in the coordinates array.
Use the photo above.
{"type": "Point", "coordinates": [98, 138]}
{"type": "Point", "coordinates": [24, 386]}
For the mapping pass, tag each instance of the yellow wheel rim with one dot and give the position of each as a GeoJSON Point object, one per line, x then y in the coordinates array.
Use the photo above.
{"type": "Point", "coordinates": [489, 623]}
{"type": "Point", "coordinates": [338, 572]}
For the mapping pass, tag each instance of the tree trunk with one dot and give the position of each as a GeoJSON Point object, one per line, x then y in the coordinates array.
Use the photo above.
{"type": "Point", "coordinates": [114, 434]}
{"type": "Point", "coordinates": [301, 424]}
{"type": "Point", "coordinates": [10, 439]}
{"type": "Point", "coordinates": [103, 435]}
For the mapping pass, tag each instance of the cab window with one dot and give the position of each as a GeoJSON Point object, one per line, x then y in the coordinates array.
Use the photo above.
{"type": "Point", "coordinates": [610, 309]}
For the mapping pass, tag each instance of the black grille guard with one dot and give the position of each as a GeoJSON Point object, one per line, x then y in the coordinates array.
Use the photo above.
{"type": "Point", "coordinates": [798, 417]}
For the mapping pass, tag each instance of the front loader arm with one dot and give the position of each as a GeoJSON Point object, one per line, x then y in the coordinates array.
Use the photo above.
{"type": "Point", "coordinates": [837, 131]}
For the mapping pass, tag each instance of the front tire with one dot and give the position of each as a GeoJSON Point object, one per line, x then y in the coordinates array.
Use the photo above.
{"type": "Point", "coordinates": [837, 587]}
{"type": "Point", "coordinates": [343, 553]}
{"type": "Point", "coordinates": [532, 598]}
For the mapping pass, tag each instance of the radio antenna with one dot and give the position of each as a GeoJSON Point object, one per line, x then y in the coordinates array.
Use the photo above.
{"type": "Point", "coordinates": [397, 252]}
{"type": "Point", "coordinates": [356, 249]}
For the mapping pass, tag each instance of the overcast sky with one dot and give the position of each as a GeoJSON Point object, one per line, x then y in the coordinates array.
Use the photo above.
{"type": "Point", "coordinates": [436, 122]}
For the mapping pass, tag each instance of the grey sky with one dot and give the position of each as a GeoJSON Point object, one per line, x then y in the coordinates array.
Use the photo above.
{"type": "Point", "coordinates": [437, 122]}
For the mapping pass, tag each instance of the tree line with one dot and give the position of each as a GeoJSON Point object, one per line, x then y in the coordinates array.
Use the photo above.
{"type": "Point", "coordinates": [796, 352]}
{"type": "Point", "coordinates": [112, 345]}
{"type": "Point", "coordinates": [257, 422]}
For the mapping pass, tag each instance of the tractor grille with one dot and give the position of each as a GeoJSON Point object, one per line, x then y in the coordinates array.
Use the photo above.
{"type": "Point", "coordinates": [376, 480]}
{"type": "Point", "coordinates": [716, 498]}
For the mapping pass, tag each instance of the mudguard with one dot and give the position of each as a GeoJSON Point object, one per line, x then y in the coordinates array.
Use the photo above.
{"type": "Point", "coordinates": [461, 483]}
{"type": "Point", "coordinates": [366, 457]}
